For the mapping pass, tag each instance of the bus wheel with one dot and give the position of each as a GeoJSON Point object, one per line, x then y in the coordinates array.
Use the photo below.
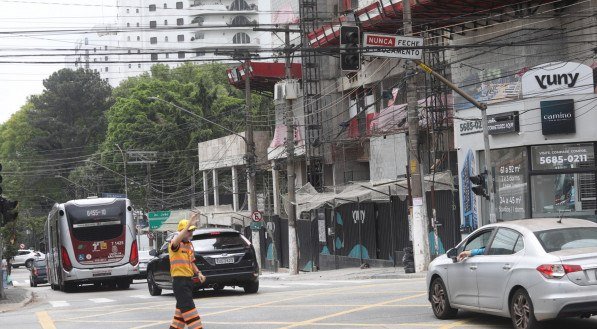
{"type": "Point", "coordinates": [67, 286]}
{"type": "Point", "coordinates": [123, 283]}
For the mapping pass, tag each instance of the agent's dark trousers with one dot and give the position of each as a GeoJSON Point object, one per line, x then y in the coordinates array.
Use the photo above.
{"type": "Point", "coordinates": [186, 313]}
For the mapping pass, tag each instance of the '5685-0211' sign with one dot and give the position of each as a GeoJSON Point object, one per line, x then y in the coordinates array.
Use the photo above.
{"type": "Point", "coordinates": [547, 157]}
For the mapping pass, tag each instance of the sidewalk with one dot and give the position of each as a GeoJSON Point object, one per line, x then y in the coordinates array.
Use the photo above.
{"type": "Point", "coordinates": [344, 274]}
{"type": "Point", "coordinates": [16, 298]}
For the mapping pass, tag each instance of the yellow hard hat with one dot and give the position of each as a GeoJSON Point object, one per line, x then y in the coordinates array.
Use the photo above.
{"type": "Point", "coordinates": [183, 223]}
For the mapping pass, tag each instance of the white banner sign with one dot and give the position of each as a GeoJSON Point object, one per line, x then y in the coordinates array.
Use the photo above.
{"type": "Point", "coordinates": [557, 78]}
{"type": "Point", "coordinates": [402, 46]}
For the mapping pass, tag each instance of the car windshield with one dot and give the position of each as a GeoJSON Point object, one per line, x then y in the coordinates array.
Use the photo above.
{"type": "Point", "coordinates": [218, 241]}
{"type": "Point", "coordinates": [568, 238]}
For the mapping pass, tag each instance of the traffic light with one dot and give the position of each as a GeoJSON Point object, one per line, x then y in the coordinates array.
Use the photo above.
{"type": "Point", "coordinates": [8, 210]}
{"type": "Point", "coordinates": [350, 53]}
{"type": "Point", "coordinates": [480, 182]}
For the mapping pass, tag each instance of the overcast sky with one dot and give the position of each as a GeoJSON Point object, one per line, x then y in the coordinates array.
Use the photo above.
{"type": "Point", "coordinates": [18, 81]}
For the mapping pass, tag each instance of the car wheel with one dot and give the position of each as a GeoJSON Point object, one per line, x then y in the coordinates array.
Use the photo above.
{"type": "Point", "coordinates": [15, 266]}
{"type": "Point", "coordinates": [29, 263]}
{"type": "Point", "coordinates": [440, 302]}
{"type": "Point", "coordinates": [154, 290]}
{"type": "Point", "coordinates": [218, 288]}
{"type": "Point", "coordinates": [522, 311]}
{"type": "Point", "coordinates": [252, 287]}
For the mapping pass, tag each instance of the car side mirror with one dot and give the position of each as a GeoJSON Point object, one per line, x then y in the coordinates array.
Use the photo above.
{"type": "Point", "coordinates": [153, 252]}
{"type": "Point", "coordinates": [453, 254]}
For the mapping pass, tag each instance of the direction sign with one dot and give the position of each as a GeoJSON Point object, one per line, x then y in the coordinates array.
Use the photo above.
{"type": "Point", "coordinates": [257, 216]}
{"type": "Point", "coordinates": [395, 46]}
{"type": "Point", "coordinates": [157, 218]}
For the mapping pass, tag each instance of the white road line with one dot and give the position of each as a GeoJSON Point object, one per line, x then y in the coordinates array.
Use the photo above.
{"type": "Point", "coordinates": [273, 286]}
{"type": "Point", "coordinates": [314, 284]}
{"type": "Point", "coordinates": [101, 300]}
{"type": "Point", "coordinates": [16, 283]}
{"type": "Point", "coordinates": [142, 296]}
{"type": "Point", "coordinates": [59, 303]}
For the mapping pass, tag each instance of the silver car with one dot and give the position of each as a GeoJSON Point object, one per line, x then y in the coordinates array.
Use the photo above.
{"type": "Point", "coordinates": [529, 270]}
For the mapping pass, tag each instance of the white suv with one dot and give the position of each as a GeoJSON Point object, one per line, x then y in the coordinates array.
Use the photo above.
{"type": "Point", "coordinates": [25, 257]}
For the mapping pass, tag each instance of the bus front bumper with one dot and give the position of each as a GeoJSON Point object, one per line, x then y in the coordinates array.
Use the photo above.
{"type": "Point", "coordinates": [83, 275]}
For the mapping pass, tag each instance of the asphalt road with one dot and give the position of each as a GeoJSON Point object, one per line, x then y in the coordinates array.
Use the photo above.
{"type": "Point", "coordinates": [279, 304]}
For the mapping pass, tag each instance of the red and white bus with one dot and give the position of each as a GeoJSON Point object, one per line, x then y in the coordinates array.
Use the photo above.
{"type": "Point", "coordinates": [91, 241]}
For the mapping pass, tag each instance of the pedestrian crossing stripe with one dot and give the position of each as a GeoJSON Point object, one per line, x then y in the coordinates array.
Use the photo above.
{"type": "Point", "coordinates": [59, 303]}
{"type": "Point", "coordinates": [101, 300]}
{"type": "Point", "coordinates": [142, 296]}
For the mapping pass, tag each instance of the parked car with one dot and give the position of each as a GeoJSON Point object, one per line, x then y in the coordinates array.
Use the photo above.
{"type": "Point", "coordinates": [25, 257]}
{"type": "Point", "coordinates": [530, 270]}
{"type": "Point", "coordinates": [38, 273]}
{"type": "Point", "coordinates": [144, 258]}
{"type": "Point", "coordinates": [224, 256]}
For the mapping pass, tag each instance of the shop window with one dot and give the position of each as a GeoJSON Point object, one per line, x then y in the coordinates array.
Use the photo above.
{"type": "Point", "coordinates": [151, 7]}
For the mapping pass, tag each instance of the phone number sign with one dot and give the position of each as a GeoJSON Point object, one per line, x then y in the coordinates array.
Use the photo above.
{"type": "Point", "coordinates": [546, 157]}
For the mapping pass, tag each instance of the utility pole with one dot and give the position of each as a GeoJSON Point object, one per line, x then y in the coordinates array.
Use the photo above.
{"type": "Point", "coordinates": [126, 191]}
{"type": "Point", "coordinates": [250, 155]}
{"type": "Point", "coordinates": [419, 222]}
{"type": "Point", "coordinates": [292, 238]}
{"type": "Point", "coordinates": [193, 189]}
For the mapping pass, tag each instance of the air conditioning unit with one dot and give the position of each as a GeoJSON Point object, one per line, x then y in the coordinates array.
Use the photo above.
{"type": "Point", "coordinates": [292, 89]}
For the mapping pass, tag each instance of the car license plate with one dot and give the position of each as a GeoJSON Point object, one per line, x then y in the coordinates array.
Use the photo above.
{"type": "Point", "coordinates": [227, 260]}
{"type": "Point", "coordinates": [102, 273]}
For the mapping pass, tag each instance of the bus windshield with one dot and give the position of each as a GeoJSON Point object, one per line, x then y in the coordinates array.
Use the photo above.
{"type": "Point", "coordinates": [96, 223]}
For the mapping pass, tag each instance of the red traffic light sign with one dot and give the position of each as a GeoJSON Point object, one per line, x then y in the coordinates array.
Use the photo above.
{"type": "Point", "coordinates": [257, 216]}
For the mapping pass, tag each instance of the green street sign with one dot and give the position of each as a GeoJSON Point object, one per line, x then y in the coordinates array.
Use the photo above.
{"type": "Point", "coordinates": [157, 218]}
{"type": "Point", "coordinates": [256, 226]}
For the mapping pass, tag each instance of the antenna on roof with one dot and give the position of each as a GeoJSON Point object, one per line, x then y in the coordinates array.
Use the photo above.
{"type": "Point", "coordinates": [561, 216]}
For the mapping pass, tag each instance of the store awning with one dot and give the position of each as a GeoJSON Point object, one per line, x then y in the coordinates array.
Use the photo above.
{"type": "Point", "coordinates": [307, 198]}
{"type": "Point", "coordinates": [263, 75]}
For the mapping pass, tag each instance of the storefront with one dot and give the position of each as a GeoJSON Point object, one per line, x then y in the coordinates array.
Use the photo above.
{"type": "Point", "coordinates": [542, 148]}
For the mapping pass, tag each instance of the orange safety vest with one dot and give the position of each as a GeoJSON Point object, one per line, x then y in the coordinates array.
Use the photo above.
{"type": "Point", "coordinates": [181, 259]}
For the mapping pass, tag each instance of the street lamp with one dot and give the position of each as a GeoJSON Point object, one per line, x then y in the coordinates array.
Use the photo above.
{"type": "Point", "coordinates": [126, 193]}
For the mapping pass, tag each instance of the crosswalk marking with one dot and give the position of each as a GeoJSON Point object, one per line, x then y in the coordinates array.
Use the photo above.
{"type": "Point", "coordinates": [314, 284]}
{"type": "Point", "coordinates": [142, 296]}
{"type": "Point", "coordinates": [273, 286]}
{"type": "Point", "coordinates": [59, 303]}
{"type": "Point", "coordinates": [101, 300]}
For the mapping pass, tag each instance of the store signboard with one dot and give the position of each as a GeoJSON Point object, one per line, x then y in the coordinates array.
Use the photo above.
{"type": "Point", "coordinates": [557, 117]}
{"type": "Point", "coordinates": [557, 78]}
{"type": "Point", "coordinates": [510, 182]}
{"type": "Point", "coordinates": [562, 156]}
{"type": "Point", "coordinates": [503, 123]}
{"type": "Point", "coordinates": [392, 46]}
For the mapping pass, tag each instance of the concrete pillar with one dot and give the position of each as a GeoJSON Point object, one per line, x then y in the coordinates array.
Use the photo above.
{"type": "Point", "coordinates": [216, 189]}
{"type": "Point", "coordinates": [205, 189]}
{"type": "Point", "coordinates": [235, 188]}
{"type": "Point", "coordinates": [276, 188]}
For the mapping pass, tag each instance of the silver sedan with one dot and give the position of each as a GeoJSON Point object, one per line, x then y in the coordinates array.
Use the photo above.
{"type": "Point", "coordinates": [530, 270]}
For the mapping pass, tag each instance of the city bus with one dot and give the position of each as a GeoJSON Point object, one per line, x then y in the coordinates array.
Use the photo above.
{"type": "Point", "coordinates": [91, 241]}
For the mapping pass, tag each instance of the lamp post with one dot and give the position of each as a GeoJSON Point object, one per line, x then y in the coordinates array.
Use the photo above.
{"type": "Point", "coordinates": [126, 193]}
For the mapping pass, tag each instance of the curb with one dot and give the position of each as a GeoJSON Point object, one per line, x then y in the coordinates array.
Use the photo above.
{"type": "Point", "coordinates": [14, 306]}
{"type": "Point", "coordinates": [380, 276]}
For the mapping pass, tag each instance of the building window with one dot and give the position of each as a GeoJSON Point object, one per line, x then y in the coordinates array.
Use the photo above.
{"type": "Point", "coordinates": [179, 21]}
{"type": "Point", "coordinates": [179, 5]}
{"type": "Point", "coordinates": [94, 50]}
{"type": "Point", "coordinates": [138, 38]}
{"type": "Point", "coordinates": [128, 51]}
{"type": "Point", "coordinates": [240, 5]}
{"type": "Point", "coordinates": [200, 53]}
{"type": "Point", "coordinates": [105, 47]}
{"type": "Point", "coordinates": [181, 54]}
{"type": "Point", "coordinates": [165, 22]}
{"type": "Point", "coordinates": [153, 40]}
{"type": "Point", "coordinates": [240, 21]}
{"type": "Point", "coordinates": [127, 11]}
{"type": "Point", "coordinates": [241, 38]}
{"type": "Point", "coordinates": [106, 58]}
{"type": "Point", "coordinates": [152, 24]}
{"type": "Point", "coordinates": [151, 7]}
{"type": "Point", "coordinates": [165, 6]}
{"type": "Point", "coordinates": [130, 65]}
{"type": "Point", "coordinates": [180, 37]}
{"type": "Point", "coordinates": [86, 41]}
{"type": "Point", "coordinates": [128, 24]}
{"type": "Point", "coordinates": [137, 24]}
{"type": "Point", "coordinates": [166, 39]}
{"type": "Point", "coordinates": [167, 55]}
{"type": "Point", "coordinates": [128, 38]}
{"type": "Point", "coordinates": [199, 36]}
{"type": "Point", "coordinates": [95, 59]}
{"type": "Point", "coordinates": [138, 51]}
{"type": "Point", "coordinates": [199, 20]}
{"type": "Point", "coordinates": [137, 10]}
{"type": "Point", "coordinates": [139, 65]}
{"type": "Point", "coordinates": [154, 57]}
{"type": "Point", "coordinates": [106, 68]}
